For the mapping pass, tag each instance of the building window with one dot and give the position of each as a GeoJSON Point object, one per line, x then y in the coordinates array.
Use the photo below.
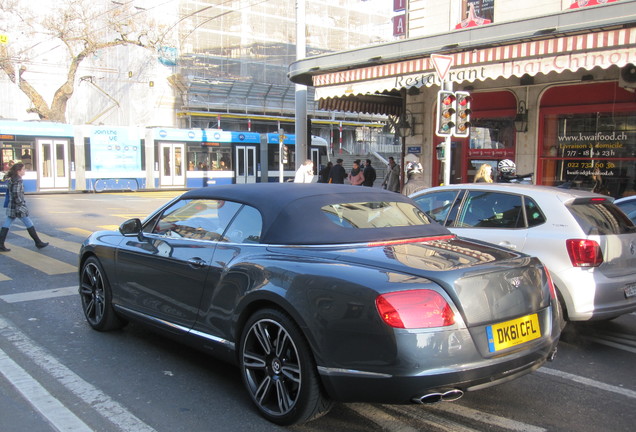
{"type": "Point", "coordinates": [595, 151]}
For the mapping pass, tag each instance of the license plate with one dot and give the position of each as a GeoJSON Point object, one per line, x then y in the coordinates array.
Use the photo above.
{"type": "Point", "coordinates": [514, 332]}
{"type": "Point", "coordinates": [630, 290]}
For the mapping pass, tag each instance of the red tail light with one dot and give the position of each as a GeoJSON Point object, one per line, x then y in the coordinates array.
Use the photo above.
{"type": "Point", "coordinates": [415, 309]}
{"type": "Point", "coordinates": [584, 253]}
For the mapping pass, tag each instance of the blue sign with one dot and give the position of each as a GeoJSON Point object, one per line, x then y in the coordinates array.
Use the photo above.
{"type": "Point", "coordinates": [414, 149]}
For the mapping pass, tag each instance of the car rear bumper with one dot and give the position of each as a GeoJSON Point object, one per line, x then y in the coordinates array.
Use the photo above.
{"type": "Point", "coordinates": [358, 386]}
{"type": "Point", "coordinates": [593, 296]}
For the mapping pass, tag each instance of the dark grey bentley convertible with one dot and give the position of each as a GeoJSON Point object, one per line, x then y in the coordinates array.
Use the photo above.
{"type": "Point", "coordinates": [323, 293]}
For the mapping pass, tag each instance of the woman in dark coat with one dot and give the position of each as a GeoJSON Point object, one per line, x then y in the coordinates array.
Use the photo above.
{"type": "Point", "coordinates": [17, 207]}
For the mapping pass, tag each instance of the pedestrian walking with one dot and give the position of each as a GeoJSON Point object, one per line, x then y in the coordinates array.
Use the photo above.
{"type": "Point", "coordinates": [356, 176]}
{"type": "Point", "coordinates": [17, 208]}
{"type": "Point", "coordinates": [392, 178]}
{"type": "Point", "coordinates": [338, 173]}
{"type": "Point", "coordinates": [369, 174]}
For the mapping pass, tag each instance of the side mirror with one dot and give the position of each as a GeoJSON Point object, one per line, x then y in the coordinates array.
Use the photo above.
{"type": "Point", "coordinates": [131, 227]}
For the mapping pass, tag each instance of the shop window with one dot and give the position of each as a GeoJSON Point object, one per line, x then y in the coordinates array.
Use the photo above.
{"type": "Point", "coordinates": [593, 151]}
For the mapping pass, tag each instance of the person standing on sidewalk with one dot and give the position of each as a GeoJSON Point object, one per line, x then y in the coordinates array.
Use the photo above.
{"type": "Point", "coordinates": [369, 174]}
{"type": "Point", "coordinates": [17, 207]}
{"type": "Point", "coordinates": [392, 178]}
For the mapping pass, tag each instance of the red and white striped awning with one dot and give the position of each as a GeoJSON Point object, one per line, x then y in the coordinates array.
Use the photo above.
{"type": "Point", "coordinates": [568, 53]}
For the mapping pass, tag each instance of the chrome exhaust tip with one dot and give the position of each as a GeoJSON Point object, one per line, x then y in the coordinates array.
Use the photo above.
{"type": "Point", "coordinates": [552, 354]}
{"type": "Point", "coordinates": [432, 398]}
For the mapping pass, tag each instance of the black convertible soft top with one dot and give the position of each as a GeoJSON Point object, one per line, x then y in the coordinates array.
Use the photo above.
{"type": "Point", "coordinates": [292, 212]}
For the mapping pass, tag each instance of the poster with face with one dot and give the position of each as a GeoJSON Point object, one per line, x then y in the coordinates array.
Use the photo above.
{"type": "Point", "coordinates": [476, 13]}
{"type": "Point", "coordinates": [576, 4]}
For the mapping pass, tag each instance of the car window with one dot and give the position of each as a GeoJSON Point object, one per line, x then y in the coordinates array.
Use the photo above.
{"type": "Point", "coordinates": [382, 214]}
{"type": "Point", "coordinates": [533, 213]}
{"type": "Point", "coordinates": [600, 217]}
{"type": "Point", "coordinates": [491, 210]}
{"type": "Point", "coordinates": [246, 227]}
{"type": "Point", "coordinates": [202, 219]}
{"type": "Point", "coordinates": [436, 204]}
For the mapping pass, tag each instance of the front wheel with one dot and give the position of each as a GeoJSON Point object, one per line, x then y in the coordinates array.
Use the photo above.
{"type": "Point", "coordinates": [278, 370]}
{"type": "Point", "coordinates": [96, 296]}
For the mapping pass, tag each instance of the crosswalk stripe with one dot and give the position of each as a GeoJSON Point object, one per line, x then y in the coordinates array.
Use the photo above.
{"type": "Point", "coordinates": [4, 277]}
{"type": "Point", "coordinates": [69, 246]}
{"type": "Point", "coordinates": [38, 260]}
{"type": "Point", "coordinates": [109, 227]}
{"type": "Point", "coordinates": [77, 231]}
{"type": "Point", "coordinates": [39, 295]}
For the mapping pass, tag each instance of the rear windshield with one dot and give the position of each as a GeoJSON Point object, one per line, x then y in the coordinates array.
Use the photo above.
{"type": "Point", "coordinates": [601, 218]}
{"type": "Point", "coordinates": [375, 214]}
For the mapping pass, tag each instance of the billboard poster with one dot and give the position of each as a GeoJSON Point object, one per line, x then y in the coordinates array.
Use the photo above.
{"type": "Point", "coordinates": [476, 13]}
{"type": "Point", "coordinates": [115, 149]}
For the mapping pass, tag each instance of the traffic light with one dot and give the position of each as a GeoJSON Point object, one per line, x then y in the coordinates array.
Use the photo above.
{"type": "Point", "coordinates": [285, 157]}
{"type": "Point", "coordinates": [462, 126]}
{"type": "Point", "coordinates": [445, 113]}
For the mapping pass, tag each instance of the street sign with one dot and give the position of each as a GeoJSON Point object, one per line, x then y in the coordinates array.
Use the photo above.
{"type": "Point", "coordinates": [442, 64]}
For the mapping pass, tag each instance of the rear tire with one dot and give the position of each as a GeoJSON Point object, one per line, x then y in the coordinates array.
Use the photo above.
{"type": "Point", "coordinates": [278, 370]}
{"type": "Point", "coordinates": [96, 296]}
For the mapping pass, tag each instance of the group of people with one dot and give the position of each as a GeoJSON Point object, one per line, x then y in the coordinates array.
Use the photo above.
{"type": "Point", "coordinates": [16, 206]}
{"type": "Point", "coordinates": [359, 176]}
{"type": "Point", "coordinates": [364, 175]}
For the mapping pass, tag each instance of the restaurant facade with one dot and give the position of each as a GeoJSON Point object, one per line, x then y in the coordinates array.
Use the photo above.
{"type": "Point", "coordinates": [555, 93]}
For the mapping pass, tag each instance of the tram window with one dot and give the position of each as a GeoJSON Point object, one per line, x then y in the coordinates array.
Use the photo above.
{"type": "Point", "coordinates": [210, 159]}
{"type": "Point", "coordinates": [17, 152]}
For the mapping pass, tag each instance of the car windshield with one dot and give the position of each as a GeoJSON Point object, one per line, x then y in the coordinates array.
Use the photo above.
{"type": "Point", "coordinates": [382, 214]}
{"type": "Point", "coordinates": [602, 218]}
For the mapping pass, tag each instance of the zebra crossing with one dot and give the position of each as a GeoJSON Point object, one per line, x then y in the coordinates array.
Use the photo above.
{"type": "Point", "coordinates": [55, 259]}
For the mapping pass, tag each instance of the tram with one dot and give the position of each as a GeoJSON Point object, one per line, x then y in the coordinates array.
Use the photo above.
{"type": "Point", "coordinates": [61, 157]}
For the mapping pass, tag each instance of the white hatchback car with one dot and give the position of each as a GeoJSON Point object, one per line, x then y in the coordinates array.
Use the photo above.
{"type": "Point", "coordinates": [586, 242]}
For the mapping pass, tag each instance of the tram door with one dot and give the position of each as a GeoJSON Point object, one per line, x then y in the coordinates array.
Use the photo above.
{"type": "Point", "coordinates": [245, 164]}
{"type": "Point", "coordinates": [172, 164]}
{"type": "Point", "coordinates": [53, 163]}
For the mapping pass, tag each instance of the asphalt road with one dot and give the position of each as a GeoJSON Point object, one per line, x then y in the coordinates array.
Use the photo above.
{"type": "Point", "coordinates": [58, 374]}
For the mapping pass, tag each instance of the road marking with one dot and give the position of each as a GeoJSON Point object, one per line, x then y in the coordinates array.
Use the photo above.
{"type": "Point", "coordinates": [101, 403]}
{"type": "Point", "coordinates": [48, 406]}
{"type": "Point", "coordinates": [588, 382]}
{"type": "Point", "coordinates": [484, 417]}
{"type": "Point", "coordinates": [39, 261]}
{"type": "Point", "coordinates": [39, 295]}
{"type": "Point", "coordinates": [4, 277]}
{"type": "Point", "coordinates": [383, 419]}
{"type": "Point", "coordinates": [620, 344]}
{"type": "Point", "coordinates": [69, 246]}
{"type": "Point", "coordinates": [108, 227]}
{"type": "Point", "coordinates": [77, 231]}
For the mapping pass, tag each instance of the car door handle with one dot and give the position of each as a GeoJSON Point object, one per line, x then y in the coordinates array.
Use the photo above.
{"type": "Point", "coordinates": [196, 262]}
{"type": "Point", "coordinates": [508, 245]}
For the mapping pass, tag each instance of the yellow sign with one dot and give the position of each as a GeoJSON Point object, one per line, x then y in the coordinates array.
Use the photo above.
{"type": "Point", "coordinates": [513, 332]}
{"type": "Point", "coordinates": [4, 39]}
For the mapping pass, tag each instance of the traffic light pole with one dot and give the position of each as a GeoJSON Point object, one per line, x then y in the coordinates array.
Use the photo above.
{"type": "Point", "coordinates": [447, 142]}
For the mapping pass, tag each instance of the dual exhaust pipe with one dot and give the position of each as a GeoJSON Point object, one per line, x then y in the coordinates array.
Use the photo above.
{"type": "Point", "coordinates": [431, 398]}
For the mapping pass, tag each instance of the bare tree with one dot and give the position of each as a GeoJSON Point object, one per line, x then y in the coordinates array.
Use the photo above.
{"type": "Point", "coordinates": [82, 27]}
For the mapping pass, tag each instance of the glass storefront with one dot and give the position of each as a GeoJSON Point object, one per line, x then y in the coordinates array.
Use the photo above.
{"type": "Point", "coordinates": [589, 147]}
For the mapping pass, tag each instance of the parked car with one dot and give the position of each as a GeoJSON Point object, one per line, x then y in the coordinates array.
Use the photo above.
{"type": "Point", "coordinates": [586, 242]}
{"type": "Point", "coordinates": [628, 205]}
{"type": "Point", "coordinates": [323, 293]}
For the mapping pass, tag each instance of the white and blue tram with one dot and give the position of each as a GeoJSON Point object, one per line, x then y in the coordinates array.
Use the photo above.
{"type": "Point", "coordinates": [61, 157]}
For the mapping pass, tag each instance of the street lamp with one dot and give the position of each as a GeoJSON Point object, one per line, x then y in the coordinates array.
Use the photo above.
{"type": "Point", "coordinates": [404, 128]}
{"type": "Point", "coordinates": [521, 119]}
